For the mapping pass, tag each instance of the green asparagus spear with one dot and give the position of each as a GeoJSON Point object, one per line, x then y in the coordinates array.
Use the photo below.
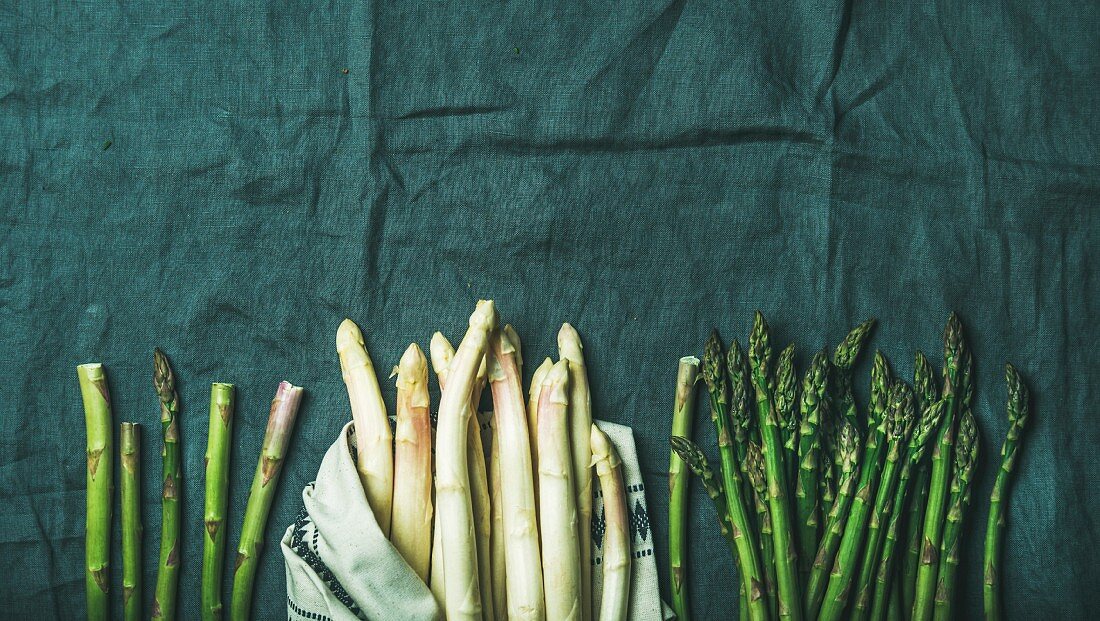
{"type": "Point", "coordinates": [217, 496]}
{"type": "Point", "coordinates": [886, 596]}
{"type": "Point", "coordinates": [956, 391]}
{"type": "Point", "coordinates": [786, 556]}
{"type": "Point", "coordinates": [714, 374]}
{"type": "Point", "coordinates": [758, 479]}
{"type": "Point", "coordinates": [693, 456]}
{"type": "Point", "coordinates": [164, 603]}
{"type": "Point", "coordinates": [830, 456]}
{"type": "Point", "coordinates": [129, 444]}
{"type": "Point", "coordinates": [280, 425]}
{"type": "Point", "coordinates": [966, 455]}
{"type": "Point", "coordinates": [924, 385]}
{"type": "Point", "coordinates": [848, 449]}
{"type": "Point", "coordinates": [903, 416]}
{"type": "Point", "coordinates": [742, 421]}
{"type": "Point", "coordinates": [838, 593]}
{"type": "Point", "coordinates": [97, 542]}
{"type": "Point", "coordinates": [806, 486]}
{"type": "Point", "coordinates": [686, 376]}
{"type": "Point", "coordinates": [785, 393]}
{"type": "Point", "coordinates": [843, 359]}
{"type": "Point", "coordinates": [1018, 412]}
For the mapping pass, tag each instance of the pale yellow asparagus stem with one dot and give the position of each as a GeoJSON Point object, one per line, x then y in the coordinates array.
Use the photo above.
{"type": "Point", "coordinates": [523, 564]}
{"type": "Point", "coordinates": [437, 582]}
{"type": "Point", "coordinates": [442, 352]}
{"type": "Point", "coordinates": [533, 417]}
{"type": "Point", "coordinates": [561, 561]}
{"type": "Point", "coordinates": [615, 603]}
{"type": "Point", "coordinates": [479, 495]}
{"type": "Point", "coordinates": [412, 467]}
{"type": "Point", "coordinates": [373, 437]}
{"type": "Point", "coordinates": [580, 421]}
{"type": "Point", "coordinates": [496, 535]}
{"type": "Point", "coordinates": [456, 514]}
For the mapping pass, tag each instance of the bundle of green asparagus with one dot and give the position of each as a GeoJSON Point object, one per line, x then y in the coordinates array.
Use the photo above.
{"type": "Point", "coordinates": [97, 410]}
{"type": "Point", "coordinates": [509, 535]}
{"type": "Point", "coordinates": [814, 493]}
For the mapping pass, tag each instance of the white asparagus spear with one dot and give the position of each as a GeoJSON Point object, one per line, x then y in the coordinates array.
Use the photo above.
{"type": "Point", "coordinates": [442, 354]}
{"type": "Point", "coordinates": [456, 513]}
{"type": "Point", "coordinates": [561, 562]}
{"type": "Point", "coordinates": [523, 564]}
{"type": "Point", "coordinates": [373, 437]}
{"type": "Point", "coordinates": [411, 532]}
{"type": "Point", "coordinates": [513, 336]}
{"type": "Point", "coordinates": [580, 421]}
{"type": "Point", "coordinates": [533, 417]}
{"type": "Point", "coordinates": [496, 535]}
{"type": "Point", "coordinates": [615, 602]}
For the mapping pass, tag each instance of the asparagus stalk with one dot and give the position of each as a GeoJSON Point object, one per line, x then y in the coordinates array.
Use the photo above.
{"type": "Point", "coordinates": [786, 557]}
{"type": "Point", "coordinates": [164, 603]}
{"type": "Point", "coordinates": [523, 561]}
{"type": "Point", "coordinates": [809, 437]}
{"type": "Point", "coordinates": [1018, 412]}
{"type": "Point", "coordinates": [756, 472]}
{"type": "Point", "coordinates": [785, 393]}
{"type": "Point", "coordinates": [828, 459]}
{"type": "Point", "coordinates": [456, 513]}
{"type": "Point", "coordinates": [280, 425]}
{"type": "Point", "coordinates": [902, 419]}
{"type": "Point", "coordinates": [411, 529]}
{"type": "Point", "coordinates": [686, 375]}
{"type": "Point", "coordinates": [373, 436]}
{"type": "Point", "coordinates": [217, 498]}
{"type": "Point", "coordinates": [442, 352]}
{"type": "Point", "coordinates": [129, 443]}
{"type": "Point", "coordinates": [477, 463]}
{"type": "Point", "coordinates": [497, 535]}
{"type": "Point", "coordinates": [966, 455]}
{"type": "Point", "coordinates": [561, 563]}
{"type": "Point", "coordinates": [533, 416]}
{"type": "Point", "coordinates": [714, 374]}
{"type": "Point", "coordinates": [837, 594]}
{"type": "Point", "coordinates": [887, 596]}
{"type": "Point", "coordinates": [843, 359]}
{"type": "Point", "coordinates": [693, 456]}
{"type": "Point", "coordinates": [956, 379]}
{"type": "Point", "coordinates": [615, 603]}
{"type": "Point", "coordinates": [97, 542]}
{"type": "Point", "coordinates": [580, 419]}
{"type": "Point", "coordinates": [924, 384]}
{"type": "Point", "coordinates": [848, 450]}
{"type": "Point", "coordinates": [741, 419]}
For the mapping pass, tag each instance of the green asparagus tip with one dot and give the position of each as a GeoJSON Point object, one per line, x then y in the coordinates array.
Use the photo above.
{"type": "Point", "coordinates": [760, 349]}
{"type": "Point", "coordinates": [849, 446]}
{"type": "Point", "coordinates": [691, 454]}
{"type": "Point", "coordinates": [880, 388]}
{"type": "Point", "coordinates": [966, 454]}
{"type": "Point", "coordinates": [712, 361]}
{"type": "Point", "coordinates": [925, 430]}
{"type": "Point", "coordinates": [849, 348]}
{"type": "Point", "coordinates": [924, 380]}
{"type": "Point", "coordinates": [952, 339]}
{"type": "Point", "coordinates": [163, 379]}
{"type": "Point", "coordinates": [1018, 409]}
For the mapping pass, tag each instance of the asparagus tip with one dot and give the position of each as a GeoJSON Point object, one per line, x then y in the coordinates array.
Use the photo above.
{"type": "Point", "coordinates": [348, 335]}
{"type": "Point", "coordinates": [569, 344]}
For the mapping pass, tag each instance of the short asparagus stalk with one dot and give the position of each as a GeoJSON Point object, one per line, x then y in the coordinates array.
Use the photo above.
{"type": "Point", "coordinates": [217, 498]}
{"type": "Point", "coordinates": [129, 443]}
{"type": "Point", "coordinates": [684, 406]}
{"type": "Point", "coordinates": [497, 535]}
{"type": "Point", "coordinates": [756, 472]}
{"type": "Point", "coordinates": [580, 419]}
{"type": "Point", "coordinates": [164, 603]}
{"type": "Point", "coordinates": [280, 426]}
{"type": "Point", "coordinates": [523, 559]}
{"type": "Point", "coordinates": [737, 504]}
{"type": "Point", "coordinates": [838, 593]}
{"type": "Point", "coordinates": [693, 456]}
{"type": "Point", "coordinates": [97, 542]}
{"type": "Point", "coordinates": [455, 506]}
{"type": "Point", "coordinates": [373, 436]}
{"type": "Point", "coordinates": [1018, 412]}
{"type": "Point", "coordinates": [956, 379]}
{"type": "Point", "coordinates": [561, 563]}
{"type": "Point", "coordinates": [901, 421]}
{"type": "Point", "coordinates": [615, 602]}
{"type": "Point", "coordinates": [535, 392]}
{"type": "Point", "coordinates": [806, 490]}
{"type": "Point", "coordinates": [886, 594]}
{"type": "Point", "coordinates": [966, 455]}
{"type": "Point", "coordinates": [848, 450]}
{"type": "Point", "coordinates": [924, 385]}
{"type": "Point", "coordinates": [411, 529]}
{"type": "Point", "coordinates": [786, 556]}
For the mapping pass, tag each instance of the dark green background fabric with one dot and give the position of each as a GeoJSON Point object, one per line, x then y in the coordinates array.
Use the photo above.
{"type": "Point", "coordinates": [229, 182]}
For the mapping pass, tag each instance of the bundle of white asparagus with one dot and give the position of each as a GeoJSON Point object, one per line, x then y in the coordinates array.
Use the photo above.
{"type": "Point", "coordinates": [510, 536]}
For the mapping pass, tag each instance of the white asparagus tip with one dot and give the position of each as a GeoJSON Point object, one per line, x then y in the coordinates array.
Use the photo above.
{"type": "Point", "coordinates": [555, 383]}
{"type": "Point", "coordinates": [442, 353]}
{"type": "Point", "coordinates": [569, 344]}
{"type": "Point", "coordinates": [485, 316]}
{"type": "Point", "coordinates": [540, 375]}
{"type": "Point", "coordinates": [604, 455]}
{"type": "Point", "coordinates": [348, 336]}
{"type": "Point", "coordinates": [513, 336]}
{"type": "Point", "coordinates": [412, 369]}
